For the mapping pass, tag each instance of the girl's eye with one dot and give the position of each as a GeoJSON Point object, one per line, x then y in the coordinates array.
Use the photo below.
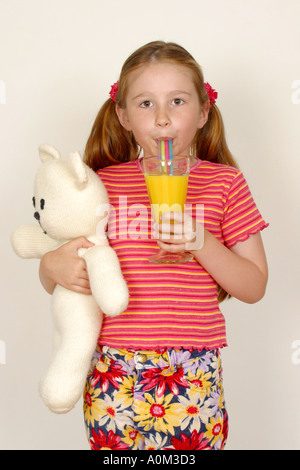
{"type": "Point", "coordinates": [146, 104]}
{"type": "Point", "coordinates": [177, 101]}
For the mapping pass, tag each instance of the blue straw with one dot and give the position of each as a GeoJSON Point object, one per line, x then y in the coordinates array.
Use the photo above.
{"type": "Point", "coordinates": [171, 156]}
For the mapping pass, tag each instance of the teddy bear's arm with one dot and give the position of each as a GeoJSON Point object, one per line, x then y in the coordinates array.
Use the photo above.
{"type": "Point", "coordinates": [106, 280]}
{"type": "Point", "coordinates": [29, 241]}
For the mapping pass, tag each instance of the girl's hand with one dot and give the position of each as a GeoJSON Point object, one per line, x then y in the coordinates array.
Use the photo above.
{"type": "Point", "coordinates": [65, 267]}
{"type": "Point", "coordinates": [234, 269]}
{"type": "Point", "coordinates": [178, 232]}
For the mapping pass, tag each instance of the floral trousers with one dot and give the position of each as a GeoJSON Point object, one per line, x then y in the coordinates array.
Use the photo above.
{"type": "Point", "coordinates": [147, 400]}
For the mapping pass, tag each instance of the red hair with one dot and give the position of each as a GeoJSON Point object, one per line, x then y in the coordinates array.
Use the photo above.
{"type": "Point", "coordinates": [109, 143]}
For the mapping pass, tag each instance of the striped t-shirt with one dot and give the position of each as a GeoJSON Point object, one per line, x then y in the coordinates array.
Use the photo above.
{"type": "Point", "coordinates": [172, 306]}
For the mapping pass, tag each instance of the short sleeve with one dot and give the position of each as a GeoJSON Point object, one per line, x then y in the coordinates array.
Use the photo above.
{"type": "Point", "coordinates": [241, 215]}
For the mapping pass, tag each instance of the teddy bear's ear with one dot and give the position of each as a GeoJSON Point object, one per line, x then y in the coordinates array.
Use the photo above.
{"type": "Point", "coordinates": [78, 169]}
{"type": "Point", "coordinates": [47, 152]}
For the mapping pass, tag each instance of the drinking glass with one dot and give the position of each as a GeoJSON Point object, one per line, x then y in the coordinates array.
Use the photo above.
{"type": "Point", "coordinates": [167, 182]}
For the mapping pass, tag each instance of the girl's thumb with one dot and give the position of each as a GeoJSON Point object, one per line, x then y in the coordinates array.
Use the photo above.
{"type": "Point", "coordinates": [81, 242]}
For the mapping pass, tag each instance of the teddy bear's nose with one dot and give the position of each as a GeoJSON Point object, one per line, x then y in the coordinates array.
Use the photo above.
{"type": "Point", "coordinates": [36, 215]}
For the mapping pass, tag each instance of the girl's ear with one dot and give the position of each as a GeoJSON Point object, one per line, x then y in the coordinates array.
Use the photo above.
{"type": "Point", "coordinates": [204, 114]}
{"type": "Point", "coordinates": [123, 118]}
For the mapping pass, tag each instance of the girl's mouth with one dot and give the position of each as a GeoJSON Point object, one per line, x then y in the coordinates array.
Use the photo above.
{"type": "Point", "coordinates": [163, 139]}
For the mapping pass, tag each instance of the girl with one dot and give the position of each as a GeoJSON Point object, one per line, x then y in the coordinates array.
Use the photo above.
{"type": "Point", "coordinates": [156, 378]}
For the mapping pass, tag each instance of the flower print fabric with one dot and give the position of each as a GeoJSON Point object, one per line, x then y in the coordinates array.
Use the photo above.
{"type": "Point", "coordinates": [138, 400]}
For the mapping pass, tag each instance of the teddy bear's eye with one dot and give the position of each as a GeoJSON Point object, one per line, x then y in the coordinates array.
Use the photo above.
{"type": "Point", "coordinates": [33, 201]}
{"type": "Point", "coordinates": [42, 203]}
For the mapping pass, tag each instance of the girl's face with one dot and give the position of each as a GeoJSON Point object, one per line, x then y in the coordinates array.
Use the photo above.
{"type": "Point", "coordinates": [162, 103]}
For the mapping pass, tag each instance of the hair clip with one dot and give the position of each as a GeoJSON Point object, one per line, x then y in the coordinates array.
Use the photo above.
{"type": "Point", "coordinates": [113, 91]}
{"type": "Point", "coordinates": [211, 93]}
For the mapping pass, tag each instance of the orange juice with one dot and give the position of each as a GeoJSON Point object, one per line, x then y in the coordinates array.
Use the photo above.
{"type": "Point", "coordinates": [167, 193]}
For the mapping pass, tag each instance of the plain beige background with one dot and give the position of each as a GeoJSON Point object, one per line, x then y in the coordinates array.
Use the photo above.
{"type": "Point", "coordinates": [58, 59]}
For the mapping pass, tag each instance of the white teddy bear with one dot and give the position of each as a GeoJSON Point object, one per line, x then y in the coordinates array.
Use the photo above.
{"type": "Point", "coordinates": [71, 201]}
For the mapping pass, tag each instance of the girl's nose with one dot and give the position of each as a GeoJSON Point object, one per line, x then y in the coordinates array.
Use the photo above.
{"type": "Point", "coordinates": [162, 118]}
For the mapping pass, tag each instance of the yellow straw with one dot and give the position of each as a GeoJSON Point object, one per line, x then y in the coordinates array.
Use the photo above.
{"type": "Point", "coordinates": [163, 155]}
{"type": "Point", "coordinates": [162, 150]}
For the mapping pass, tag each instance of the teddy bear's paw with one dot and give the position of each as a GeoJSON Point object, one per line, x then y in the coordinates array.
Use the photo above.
{"type": "Point", "coordinates": [113, 301]}
{"type": "Point", "coordinates": [60, 411]}
{"type": "Point", "coordinates": [57, 405]}
{"type": "Point", "coordinates": [57, 397]}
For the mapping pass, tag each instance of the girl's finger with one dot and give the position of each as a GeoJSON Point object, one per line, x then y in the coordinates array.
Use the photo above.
{"type": "Point", "coordinates": [171, 247]}
{"type": "Point", "coordinates": [172, 229]}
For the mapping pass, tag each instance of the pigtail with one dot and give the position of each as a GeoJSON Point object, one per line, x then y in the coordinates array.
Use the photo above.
{"type": "Point", "coordinates": [109, 143]}
{"type": "Point", "coordinates": [210, 142]}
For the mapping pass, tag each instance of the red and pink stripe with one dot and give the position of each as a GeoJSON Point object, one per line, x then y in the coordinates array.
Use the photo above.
{"type": "Point", "coordinates": [173, 306]}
